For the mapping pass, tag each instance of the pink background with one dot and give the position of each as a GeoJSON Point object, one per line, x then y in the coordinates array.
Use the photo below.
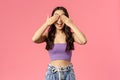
{"type": "Point", "coordinates": [21, 59]}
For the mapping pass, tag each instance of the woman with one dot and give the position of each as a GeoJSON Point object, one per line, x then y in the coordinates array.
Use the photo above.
{"type": "Point", "coordinates": [59, 43]}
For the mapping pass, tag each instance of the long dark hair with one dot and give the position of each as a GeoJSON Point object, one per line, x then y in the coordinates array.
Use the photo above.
{"type": "Point", "coordinates": [66, 30]}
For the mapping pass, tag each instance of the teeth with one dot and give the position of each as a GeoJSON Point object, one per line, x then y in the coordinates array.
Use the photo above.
{"type": "Point", "coordinates": [59, 24]}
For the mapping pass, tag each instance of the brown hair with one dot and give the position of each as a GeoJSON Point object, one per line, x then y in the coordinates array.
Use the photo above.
{"type": "Point", "coordinates": [66, 29]}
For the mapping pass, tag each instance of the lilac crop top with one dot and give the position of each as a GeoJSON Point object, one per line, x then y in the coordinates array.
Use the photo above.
{"type": "Point", "coordinates": [58, 52]}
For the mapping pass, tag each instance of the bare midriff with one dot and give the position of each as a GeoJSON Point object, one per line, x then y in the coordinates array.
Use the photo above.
{"type": "Point", "coordinates": [60, 62]}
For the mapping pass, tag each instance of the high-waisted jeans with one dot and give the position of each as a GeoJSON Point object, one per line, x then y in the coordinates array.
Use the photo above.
{"type": "Point", "coordinates": [60, 73]}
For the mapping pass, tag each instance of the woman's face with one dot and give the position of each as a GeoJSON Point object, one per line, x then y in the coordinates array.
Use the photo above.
{"type": "Point", "coordinates": [59, 24]}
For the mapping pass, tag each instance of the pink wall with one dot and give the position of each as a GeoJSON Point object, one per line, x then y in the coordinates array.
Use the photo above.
{"type": "Point", "coordinates": [21, 59]}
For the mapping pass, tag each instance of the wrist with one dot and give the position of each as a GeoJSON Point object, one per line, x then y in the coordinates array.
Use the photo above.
{"type": "Point", "coordinates": [70, 24]}
{"type": "Point", "coordinates": [46, 24]}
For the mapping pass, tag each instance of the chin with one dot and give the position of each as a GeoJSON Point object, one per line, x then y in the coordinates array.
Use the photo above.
{"type": "Point", "coordinates": [60, 28]}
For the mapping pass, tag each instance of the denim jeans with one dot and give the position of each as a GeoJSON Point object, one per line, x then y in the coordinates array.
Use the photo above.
{"type": "Point", "coordinates": [60, 73]}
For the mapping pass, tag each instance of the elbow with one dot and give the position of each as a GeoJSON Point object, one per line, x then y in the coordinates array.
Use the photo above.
{"type": "Point", "coordinates": [40, 40]}
{"type": "Point", "coordinates": [34, 40]}
{"type": "Point", "coordinates": [84, 42]}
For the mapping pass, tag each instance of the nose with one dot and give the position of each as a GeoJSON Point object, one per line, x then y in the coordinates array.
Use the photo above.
{"type": "Point", "coordinates": [59, 21]}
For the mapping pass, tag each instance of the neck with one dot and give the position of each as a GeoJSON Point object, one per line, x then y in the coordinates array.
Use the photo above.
{"type": "Point", "coordinates": [59, 31]}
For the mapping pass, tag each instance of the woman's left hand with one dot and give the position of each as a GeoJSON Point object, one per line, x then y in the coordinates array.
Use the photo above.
{"type": "Point", "coordinates": [78, 36]}
{"type": "Point", "coordinates": [66, 20]}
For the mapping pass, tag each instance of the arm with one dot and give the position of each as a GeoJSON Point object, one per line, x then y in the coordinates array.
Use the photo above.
{"type": "Point", "coordinates": [78, 36]}
{"type": "Point", "coordinates": [40, 34]}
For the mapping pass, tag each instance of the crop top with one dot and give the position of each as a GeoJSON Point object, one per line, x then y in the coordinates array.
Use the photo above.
{"type": "Point", "coordinates": [58, 52]}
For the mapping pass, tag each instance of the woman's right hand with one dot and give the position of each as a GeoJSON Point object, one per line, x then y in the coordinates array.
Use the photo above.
{"type": "Point", "coordinates": [52, 19]}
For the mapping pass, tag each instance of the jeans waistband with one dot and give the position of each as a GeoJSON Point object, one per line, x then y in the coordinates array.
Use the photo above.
{"type": "Point", "coordinates": [59, 68]}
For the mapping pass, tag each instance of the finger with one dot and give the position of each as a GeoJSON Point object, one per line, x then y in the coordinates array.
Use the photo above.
{"type": "Point", "coordinates": [63, 17]}
{"type": "Point", "coordinates": [55, 17]}
{"type": "Point", "coordinates": [56, 14]}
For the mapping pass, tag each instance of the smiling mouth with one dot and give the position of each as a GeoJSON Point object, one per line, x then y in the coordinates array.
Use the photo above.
{"type": "Point", "coordinates": [59, 23]}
